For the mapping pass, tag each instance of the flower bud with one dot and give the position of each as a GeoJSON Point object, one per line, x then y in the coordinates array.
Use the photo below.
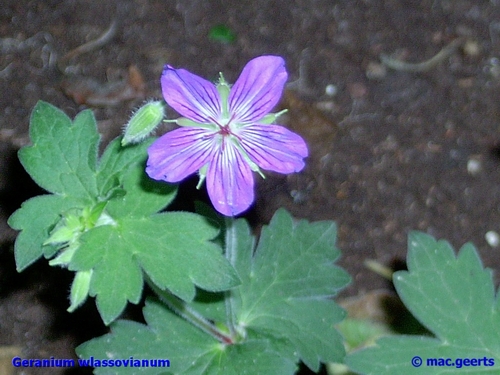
{"type": "Point", "coordinates": [143, 122]}
{"type": "Point", "coordinates": [79, 289]}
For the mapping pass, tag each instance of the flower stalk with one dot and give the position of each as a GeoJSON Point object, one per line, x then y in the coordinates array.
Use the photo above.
{"type": "Point", "coordinates": [230, 253]}
{"type": "Point", "coordinates": [182, 309]}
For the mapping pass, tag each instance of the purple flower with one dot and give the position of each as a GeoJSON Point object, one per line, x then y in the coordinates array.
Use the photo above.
{"type": "Point", "coordinates": [226, 133]}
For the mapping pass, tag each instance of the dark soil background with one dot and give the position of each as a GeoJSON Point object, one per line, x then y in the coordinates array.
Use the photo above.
{"type": "Point", "coordinates": [391, 151]}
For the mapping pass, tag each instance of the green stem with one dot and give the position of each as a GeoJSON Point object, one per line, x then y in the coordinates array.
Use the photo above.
{"type": "Point", "coordinates": [182, 309]}
{"type": "Point", "coordinates": [231, 244]}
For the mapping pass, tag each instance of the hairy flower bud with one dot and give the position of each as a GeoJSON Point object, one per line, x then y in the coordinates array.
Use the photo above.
{"type": "Point", "coordinates": [143, 122]}
{"type": "Point", "coordinates": [79, 289]}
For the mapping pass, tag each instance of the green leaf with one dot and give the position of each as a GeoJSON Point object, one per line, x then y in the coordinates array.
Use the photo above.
{"type": "Point", "coordinates": [102, 218]}
{"type": "Point", "coordinates": [115, 160]}
{"type": "Point", "coordinates": [142, 196]}
{"type": "Point", "coordinates": [174, 249]}
{"type": "Point", "coordinates": [282, 306]}
{"type": "Point", "coordinates": [452, 296]}
{"type": "Point", "coordinates": [163, 247]}
{"type": "Point", "coordinates": [35, 219]}
{"type": "Point", "coordinates": [288, 283]}
{"type": "Point", "coordinates": [189, 350]}
{"type": "Point", "coordinates": [62, 158]}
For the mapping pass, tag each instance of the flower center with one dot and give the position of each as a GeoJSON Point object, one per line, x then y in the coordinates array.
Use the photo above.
{"type": "Point", "coordinates": [224, 130]}
{"type": "Point", "coordinates": [224, 126]}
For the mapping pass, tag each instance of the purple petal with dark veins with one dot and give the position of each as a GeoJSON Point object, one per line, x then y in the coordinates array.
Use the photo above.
{"type": "Point", "coordinates": [230, 181]}
{"type": "Point", "coordinates": [179, 153]}
{"type": "Point", "coordinates": [191, 96]}
{"type": "Point", "coordinates": [273, 147]}
{"type": "Point", "coordinates": [258, 89]}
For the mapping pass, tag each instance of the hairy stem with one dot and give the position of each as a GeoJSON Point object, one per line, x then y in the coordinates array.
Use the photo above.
{"type": "Point", "coordinates": [182, 309]}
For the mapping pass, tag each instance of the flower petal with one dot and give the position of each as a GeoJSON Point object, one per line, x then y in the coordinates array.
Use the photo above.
{"type": "Point", "coordinates": [191, 96]}
{"type": "Point", "coordinates": [179, 153]}
{"type": "Point", "coordinates": [273, 147]}
{"type": "Point", "coordinates": [230, 181]}
{"type": "Point", "coordinates": [258, 88]}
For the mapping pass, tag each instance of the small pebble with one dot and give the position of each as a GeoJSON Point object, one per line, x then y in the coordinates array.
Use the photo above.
{"type": "Point", "coordinates": [474, 166]}
{"type": "Point", "coordinates": [472, 48]}
{"type": "Point", "coordinates": [331, 90]}
{"type": "Point", "coordinates": [492, 238]}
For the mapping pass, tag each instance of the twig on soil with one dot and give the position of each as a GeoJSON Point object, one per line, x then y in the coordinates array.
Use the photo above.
{"type": "Point", "coordinates": [88, 91]}
{"type": "Point", "coordinates": [90, 46]}
{"type": "Point", "coordinates": [424, 66]}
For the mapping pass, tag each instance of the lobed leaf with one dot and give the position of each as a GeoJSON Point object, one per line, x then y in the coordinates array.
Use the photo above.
{"type": "Point", "coordinates": [189, 350]}
{"type": "Point", "coordinates": [115, 160]}
{"type": "Point", "coordinates": [452, 296]}
{"type": "Point", "coordinates": [141, 195]}
{"type": "Point", "coordinates": [63, 155]}
{"type": "Point", "coordinates": [162, 245]}
{"type": "Point", "coordinates": [287, 286]}
{"type": "Point", "coordinates": [283, 306]}
{"type": "Point", "coordinates": [103, 217]}
{"type": "Point", "coordinates": [35, 219]}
